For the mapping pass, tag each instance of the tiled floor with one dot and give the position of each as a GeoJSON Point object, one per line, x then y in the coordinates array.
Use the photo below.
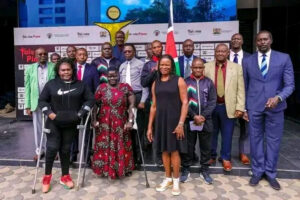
{"type": "Point", "coordinates": [17, 147]}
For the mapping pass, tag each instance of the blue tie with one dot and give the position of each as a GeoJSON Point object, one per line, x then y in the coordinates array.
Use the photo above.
{"type": "Point", "coordinates": [263, 68]}
{"type": "Point", "coordinates": [235, 59]}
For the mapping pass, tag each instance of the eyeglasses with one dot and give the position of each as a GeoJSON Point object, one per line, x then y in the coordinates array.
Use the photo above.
{"type": "Point", "coordinates": [41, 54]}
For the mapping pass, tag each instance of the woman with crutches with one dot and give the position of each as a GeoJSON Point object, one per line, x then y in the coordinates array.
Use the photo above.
{"type": "Point", "coordinates": [65, 100]}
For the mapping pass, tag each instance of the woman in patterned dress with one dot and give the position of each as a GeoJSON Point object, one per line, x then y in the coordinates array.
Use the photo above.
{"type": "Point", "coordinates": [112, 150]}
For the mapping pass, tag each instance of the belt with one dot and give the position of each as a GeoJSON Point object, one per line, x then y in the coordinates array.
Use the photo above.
{"type": "Point", "coordinates": [137, 92]}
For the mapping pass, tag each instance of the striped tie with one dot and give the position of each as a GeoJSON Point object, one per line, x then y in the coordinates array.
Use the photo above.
{"type": "Point", "coordinates": [263, 67]}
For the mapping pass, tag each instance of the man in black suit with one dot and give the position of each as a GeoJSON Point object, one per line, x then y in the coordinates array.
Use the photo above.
{"type": "Point", "coordinates": [89, 75]}
{"type": "Point", "coordinates": [236, 55]}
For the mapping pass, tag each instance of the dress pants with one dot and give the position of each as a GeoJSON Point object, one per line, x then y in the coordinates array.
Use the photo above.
{"type": "Point", "coordinates": [244, 140]}
{"type": "Point", "coordinates": [37, 129]}
{"type": "Point", "coordinates": [266, 129]}
{"type": "Point", "coordinates": [204, 146]}
{"type": "Point", "coordinates": [226, 125]}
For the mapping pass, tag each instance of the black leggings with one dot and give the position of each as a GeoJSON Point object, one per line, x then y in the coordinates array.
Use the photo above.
{"type": "Point", "coordinates": [59, 140]}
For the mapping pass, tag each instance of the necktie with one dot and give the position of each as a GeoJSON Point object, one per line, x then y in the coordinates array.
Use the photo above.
{"type": "Point", "coordinates": [235, 59]}
{"type": "Point", "coordinates": [187, 71]}
{"type": "Point", "coordinates": [220, 82]}
{"type": "Point", "coordinates": [263, 67]}
{"type": "Point", "coordinates": [127, 79]}
{"type": "Point", "coordinates": [79, 72]}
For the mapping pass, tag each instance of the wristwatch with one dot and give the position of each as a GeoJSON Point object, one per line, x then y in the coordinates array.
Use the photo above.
{"type": "Point", "coordinates": [130, 120]}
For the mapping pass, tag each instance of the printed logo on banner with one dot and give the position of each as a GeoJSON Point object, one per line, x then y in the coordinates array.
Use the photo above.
{"type": "Point", "coordinates": [138, 34]}
{"type": "Point", "coordinates": [156, 32]}
{"type": "Point", "coordinates": [103, 34]}
{"type": "Point", "coordinates": [219, 31]}
{"type": "Point", "coordinates": [49, 35]}
{"type": "Point", "coordinates": [194, 32]}
{"type": "Point", "coordinates": [31, 36]}
{"type": "Point", "coordinates": [82, 35]}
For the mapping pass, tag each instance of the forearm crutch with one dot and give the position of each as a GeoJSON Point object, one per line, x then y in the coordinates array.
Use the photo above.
{"type": "Point", "coordinates": [82, 128]}
{"type": "Point", "coordinates": [87, 154]}
{"type": "Point", "coordinates": [44, 130]}
{"type": "Point", "coordinates": [141, 152]}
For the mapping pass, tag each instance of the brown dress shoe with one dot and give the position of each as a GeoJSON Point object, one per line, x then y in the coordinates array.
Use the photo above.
{"type": "Point", "coordinates": [212, 161]}
{"type": "Point", "coordinates": [227, 165]}
{"type": "Point", "coordinates": [244, 159]}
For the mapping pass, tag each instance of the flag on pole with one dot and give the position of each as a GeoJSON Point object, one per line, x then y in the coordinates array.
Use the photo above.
{"type": "Point", "coordinates": [170, 43]}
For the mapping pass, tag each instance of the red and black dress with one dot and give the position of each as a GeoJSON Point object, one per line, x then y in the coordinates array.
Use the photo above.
{"type": "Point", "coordinates": [113, 146]}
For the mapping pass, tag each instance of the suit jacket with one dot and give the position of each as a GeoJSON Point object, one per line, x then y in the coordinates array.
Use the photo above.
{"type": "Point", "coordinates": [279, 81]}
{"type": "Point", "coordinates": [90, 77]}
{"type": "Point", "coordinates": [32, 86]}
{"type": "Point", "coordinates": [234, 86]}
{"type": "Point", "coordinates": [181, 64]}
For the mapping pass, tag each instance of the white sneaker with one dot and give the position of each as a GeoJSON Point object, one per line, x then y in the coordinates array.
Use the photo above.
{"type": "Point", "coordinates": [176, 189]}
{"type": "Point", "coordinates": [164, 185]}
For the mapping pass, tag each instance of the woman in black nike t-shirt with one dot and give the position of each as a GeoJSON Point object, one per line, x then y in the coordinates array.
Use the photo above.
{"type": "Point", "coordinates": [64, 100]}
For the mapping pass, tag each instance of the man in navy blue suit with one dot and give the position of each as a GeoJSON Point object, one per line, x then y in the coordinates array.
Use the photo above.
{"type": "Point", "coordinates": [119, 47]}
{"type": "Point", "coordinates": [237, 54]}
{"type": "Point", "coordinates": [89, 75]}
{"type": "Point", "coordinates": [269, 81]}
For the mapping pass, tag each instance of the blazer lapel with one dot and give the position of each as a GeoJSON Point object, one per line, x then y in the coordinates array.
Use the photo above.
{"type": "Point", "coordinates": [271, 65]}
{"type": "Point", "coordinates": [229, 69]}
{"type": "Point", "coordinates": [256, 69]}
{"type": "Point", "coordinates": [86, 71]}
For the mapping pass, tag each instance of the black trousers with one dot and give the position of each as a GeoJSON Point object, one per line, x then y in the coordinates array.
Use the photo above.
{"type": "Point", "coordinates": [204, 146]}
{"type": "Point", "coordinates": [59, 140]}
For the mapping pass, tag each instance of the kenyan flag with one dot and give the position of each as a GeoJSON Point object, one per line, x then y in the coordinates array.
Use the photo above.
{"type": "Point", "coordinates": [170, 43]}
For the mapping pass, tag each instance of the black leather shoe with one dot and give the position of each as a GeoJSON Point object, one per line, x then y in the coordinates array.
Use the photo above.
{"type": "Point", "coordinates": [274, 183]}
{"type": "Point", "coordinates": [254, 180]}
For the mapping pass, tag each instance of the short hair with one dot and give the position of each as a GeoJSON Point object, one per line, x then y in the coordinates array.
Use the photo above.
{"type": "Point", "coordinates": [237, 34]}
{"type": "Point", "coordinates": [40, 48]}
{"type": "Point", "coordinates": [71, 46]}
{"type": "Point", "coordinates": [222, 44]}
{"type": "Point", "coordinates": [81, 49]}
{"type": "Point", "coordinates": [130, 45]}
{"type": "Point", "coordinates": [187, 40]}
{"type": "Point", "coordinates": [106, 43]}
{"type": "Point", "coordinates": [155, 41]}
{"type": "Point", "coordinates": [68, 61]}
{"type": "Point", "coordinates": [54, 54]}
{"type": "Point", "coordinates": [197, 59]}
{"type": "Point", "coordinates": [264, 31]}
{"type": "Point", "coordinates": [120, 31]}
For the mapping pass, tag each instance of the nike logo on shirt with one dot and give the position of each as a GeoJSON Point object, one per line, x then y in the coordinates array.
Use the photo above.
{"type": "Point", "coordinates": [59, 92]}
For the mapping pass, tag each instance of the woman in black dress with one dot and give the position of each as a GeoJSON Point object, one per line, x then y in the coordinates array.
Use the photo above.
{"type": "Point", "coordinates": [169, 109]}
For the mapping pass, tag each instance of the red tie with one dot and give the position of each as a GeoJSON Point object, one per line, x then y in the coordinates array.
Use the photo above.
{"type": "Point", "coordinates": [79, 73]}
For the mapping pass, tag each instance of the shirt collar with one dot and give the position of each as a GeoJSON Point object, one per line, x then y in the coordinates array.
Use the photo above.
{"type": "Point", "coordinates": [42, 66]}
{"type": "Point", "coordinates": [193, 77]}
{"type": "Point", "coordinates": [239, 53]}
{"type": "Point", "coordinates": [268, 53]}
{"type": "Point", "coordinates": [155, 58]}
{"type": "Point", "coordinates": [224, 64]}
{"type": "Point", "coordinates": [189, 59]}
{"type": "Point", "coordinates": [83, 65]}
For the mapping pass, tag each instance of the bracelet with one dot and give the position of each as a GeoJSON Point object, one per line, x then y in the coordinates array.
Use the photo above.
{"type": "Point", "coordinates": [181, 123]}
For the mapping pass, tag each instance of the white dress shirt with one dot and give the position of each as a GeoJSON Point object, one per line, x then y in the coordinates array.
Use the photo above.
{"type": "Point", "coordinates": [240, 56]}
{"type": "Point", "coordinates": [260, 57]}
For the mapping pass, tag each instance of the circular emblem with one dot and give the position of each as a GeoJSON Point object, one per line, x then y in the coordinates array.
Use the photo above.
{"type": "Point", "coordinates": [113, 12]}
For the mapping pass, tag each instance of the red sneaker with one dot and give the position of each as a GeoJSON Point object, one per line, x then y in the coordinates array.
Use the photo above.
{"type": "Point", "coordinates": [66, 181]}
{"type": "Point", "coordinates": [46, 187]}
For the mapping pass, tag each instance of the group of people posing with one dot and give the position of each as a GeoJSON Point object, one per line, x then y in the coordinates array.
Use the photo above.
{"type": "Point", "coordinates": [128, 96]}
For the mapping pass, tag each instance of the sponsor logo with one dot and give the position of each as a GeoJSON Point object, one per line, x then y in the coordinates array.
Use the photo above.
{"type": "Point", "coordinates": [103, 34]}
{"type": "Point", "coordinates": [81, 35]}
{"type": "Point", "coordinates": [59, 92]}
{"type": "Point", "coordinates": [194, 32]}
{"type": "Point", "coordinates": [56, 35]}
{"type": "Point", "coordinates": [31, 36]}
{"type": "Point", "coordinates": [138, 34]}
{"type": "Point", "coordinates": [219, 31]}
{"type": "Point", "coordinates": [156, 32]}
{"type": "Point", "coordinates": [49, 35]}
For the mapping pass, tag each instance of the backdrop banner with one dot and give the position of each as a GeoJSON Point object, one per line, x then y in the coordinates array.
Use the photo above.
{"type": "Point", "coordinates": [205, 35]}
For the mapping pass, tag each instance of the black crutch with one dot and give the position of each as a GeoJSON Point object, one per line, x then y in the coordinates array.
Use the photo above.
{"type": "Point", "coordinates": [141, 151]}
{"type": "Point", "coordinates": [44, 130]}
{"type": "Point", "coordinates": [82, 128]}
